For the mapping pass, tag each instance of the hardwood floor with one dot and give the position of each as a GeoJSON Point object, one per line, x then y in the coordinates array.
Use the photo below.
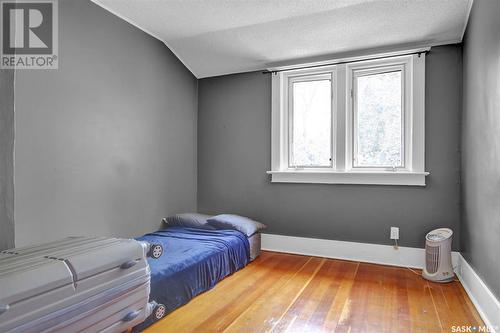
{"type": "Point", "coordinates": [290, 293]}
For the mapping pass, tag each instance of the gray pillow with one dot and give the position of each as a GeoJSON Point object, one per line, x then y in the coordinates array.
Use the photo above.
{"type": "Point", "coordinates": [190, 220]}
{"type": "Point", "coordinates": [236, 222]}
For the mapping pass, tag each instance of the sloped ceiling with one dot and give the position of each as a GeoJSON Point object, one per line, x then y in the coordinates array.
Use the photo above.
{"type": "Point", "coordinates": [216, 37]}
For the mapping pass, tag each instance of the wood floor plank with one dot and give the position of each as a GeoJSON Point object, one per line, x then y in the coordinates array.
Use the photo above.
{"type": "Point", "coordinates": [451, 306]}
{"type": "Point", "coordinates": [394, 293]}
{"type": "Point", "coordinates": [341, 300]}
{"type": "Point", "coordinates": [226, 316]}
{"type": "Point", "coordinates": [362, 310]}
{"type": "Point", "coordinates": [292, 293]}
{"type": "Point", "coordinates": [270, 306]}
{"type": "Point", "coordinates": [327, 291]}
{"type": "Point", "coordinates": [423, 315]}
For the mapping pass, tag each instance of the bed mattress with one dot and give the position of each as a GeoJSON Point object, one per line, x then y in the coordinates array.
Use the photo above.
{"type": "Point", "coordinates": [193, 261]}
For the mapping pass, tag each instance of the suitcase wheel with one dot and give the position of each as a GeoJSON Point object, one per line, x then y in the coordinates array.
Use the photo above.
{"type": "Point", "coordinates": [156, 251]}
{"type": "Point", "coordinates": [160, 311]}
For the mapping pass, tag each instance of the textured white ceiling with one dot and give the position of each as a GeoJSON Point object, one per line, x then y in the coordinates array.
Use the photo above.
{"type": "Point", "coordinates": [215, 37]}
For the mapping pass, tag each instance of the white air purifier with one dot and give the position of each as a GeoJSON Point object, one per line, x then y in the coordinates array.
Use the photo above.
{"type": "Point", "coordinates": [438, 266]}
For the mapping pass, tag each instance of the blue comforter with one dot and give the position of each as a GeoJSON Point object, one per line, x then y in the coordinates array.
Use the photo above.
{"type": "Point", "coordinates": [193, 261]}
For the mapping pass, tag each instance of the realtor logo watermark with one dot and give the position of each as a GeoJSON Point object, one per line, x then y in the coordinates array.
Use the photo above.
{"type": "Point", "coordinates": [29, 36]}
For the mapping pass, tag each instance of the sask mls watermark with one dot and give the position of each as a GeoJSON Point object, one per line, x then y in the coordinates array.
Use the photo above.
{"type": "Point", "coordinates": [474, 329]}
{"type": "Point", "coordinates": [29, 34]}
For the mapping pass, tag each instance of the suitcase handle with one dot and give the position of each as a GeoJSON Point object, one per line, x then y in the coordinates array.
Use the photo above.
{"type": "Point", "coordinates": [4, 308]}
{"type": "Point", "coordinates": [131, 315]}
{"type": "Point", "coordinates": [128, 264]}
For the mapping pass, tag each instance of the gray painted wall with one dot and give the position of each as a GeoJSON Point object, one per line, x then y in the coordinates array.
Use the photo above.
{"type": "Point", "coordinates": [480, 241]}
{"type": "Point", "coordinates": [234, 142]}
{"type": "Point", "coordinates": [6, 159]}
{"type": "Point", "coordinates": [106, 145]}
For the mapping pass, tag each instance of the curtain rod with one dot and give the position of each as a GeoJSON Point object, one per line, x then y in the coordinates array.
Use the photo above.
{"type": "Point", "coordinates": [344, 62]}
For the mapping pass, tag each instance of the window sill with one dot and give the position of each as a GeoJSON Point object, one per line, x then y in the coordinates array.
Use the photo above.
{"type": "Point", "coordinates": [349, 177]}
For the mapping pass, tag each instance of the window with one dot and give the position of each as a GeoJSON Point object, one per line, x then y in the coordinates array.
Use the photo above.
{"type": "Point", "coordinates": [378, 119]}
{"type": "Point", "coordinates": [311, 122]}
{"type": "Point", "coordinates": [355, 122]}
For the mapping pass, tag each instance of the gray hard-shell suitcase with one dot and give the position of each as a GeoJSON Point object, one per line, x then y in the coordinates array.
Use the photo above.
{"type": "Point", "coordinates": [78, 284]}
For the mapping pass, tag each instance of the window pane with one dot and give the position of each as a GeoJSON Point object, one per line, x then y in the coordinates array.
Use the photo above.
{"type": "Point", "coordinates": [379, 121]}
{"type": "Point", "coordinates": [312, 124]}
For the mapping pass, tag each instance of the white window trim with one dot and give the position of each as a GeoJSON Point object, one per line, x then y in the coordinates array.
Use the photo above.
{"type": "Point", "coordinates": [342, 171]}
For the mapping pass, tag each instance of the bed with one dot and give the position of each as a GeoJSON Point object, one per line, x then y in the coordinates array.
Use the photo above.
{"type": "Point", "coordinates": [193, 261]}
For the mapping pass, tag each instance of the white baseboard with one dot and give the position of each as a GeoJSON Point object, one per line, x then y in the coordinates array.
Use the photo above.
{"type": "Point", "coordinates": [485, 302]}
{"type": "Point", "coordinates": [364, 252]}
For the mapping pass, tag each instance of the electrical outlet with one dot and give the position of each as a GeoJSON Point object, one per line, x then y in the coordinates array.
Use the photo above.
{"type": "Point", "coordinates": [394, 233]}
